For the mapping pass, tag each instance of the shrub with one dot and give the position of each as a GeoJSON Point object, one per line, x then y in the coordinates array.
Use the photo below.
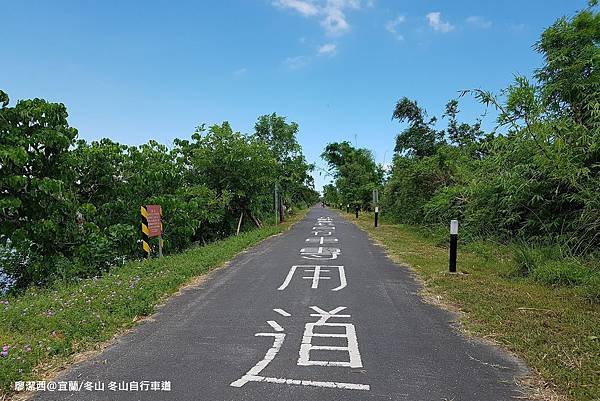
{"type": "Point", "coordinates": [567, 272]}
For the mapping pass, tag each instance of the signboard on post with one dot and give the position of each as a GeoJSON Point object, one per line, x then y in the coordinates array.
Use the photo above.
{"type": "Point", "coordinates": [151, 227]}
{"type": "Point", "coordinates": [154, 220]}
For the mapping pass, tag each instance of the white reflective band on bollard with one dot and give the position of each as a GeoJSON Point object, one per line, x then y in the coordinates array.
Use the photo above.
{"type": "Point", "coordinates": [454, 227]}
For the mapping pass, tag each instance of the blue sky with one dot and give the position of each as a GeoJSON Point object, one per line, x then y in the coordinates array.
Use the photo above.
{"type": "Point", "coordinates": [134, 71]}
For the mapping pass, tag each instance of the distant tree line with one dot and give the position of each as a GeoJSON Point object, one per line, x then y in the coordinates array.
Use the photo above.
{"type": "Point", "coordinates": [536, 178]}
{"type": "Point", "coordinates": [70, 209]}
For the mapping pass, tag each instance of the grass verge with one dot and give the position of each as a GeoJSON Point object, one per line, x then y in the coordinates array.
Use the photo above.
{"type": "Point", "coordinates": [44, 328]}
{"type": "Point", "coordinates": [555, 330]}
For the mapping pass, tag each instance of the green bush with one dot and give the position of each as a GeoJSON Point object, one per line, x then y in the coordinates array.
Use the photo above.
{"type": "Point", "coordinates": [567, 272]}
{"type": "Point", "coordinates": [529, 258]}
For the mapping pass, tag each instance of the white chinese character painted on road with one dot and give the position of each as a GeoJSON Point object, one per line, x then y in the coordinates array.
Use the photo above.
{"type": "Point", "coordinates": [316, 275]}
{"type": "Point", "coordinates": [327, 228]}
{"type": "Point", "coordinates": [311, 330]}
{"type": "Point", "coordinates": [322, 240]}
{"type": "Point", "coordinates": [325, 224]}
{"type": "Point", "coordinates": [320, 253]}
{"type": "Point", "coordinates": [254, 374]}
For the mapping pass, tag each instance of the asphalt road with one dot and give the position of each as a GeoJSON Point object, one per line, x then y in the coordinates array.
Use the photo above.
{"type": "Point", "coordinates": [318, 313]}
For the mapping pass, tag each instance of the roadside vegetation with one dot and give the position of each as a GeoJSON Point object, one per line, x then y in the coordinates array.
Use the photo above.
{"type": "Point", "coordinates": [41, 329]}
{"type": "Point", "coordinates": [70, 209]}
{"type": "Point", "coordinates": [555, 330]}
{"type": "Point", "coordinates": [527, 196]}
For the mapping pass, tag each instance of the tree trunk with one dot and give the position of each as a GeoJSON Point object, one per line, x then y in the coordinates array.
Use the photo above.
{"type": "Point", "coordinates": [239, 223]}
{"type": "Point", "coordinates": [255, 220]}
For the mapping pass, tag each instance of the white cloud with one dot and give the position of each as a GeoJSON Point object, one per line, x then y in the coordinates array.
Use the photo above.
{"type": "Point", "coordinates": [296, 63]}
{"type": "Point", "coordinates": [439, 25]}
{"type": "Point", "coordinates": [305, 8]}
{"type": "Point", "coordinates": [335, 22]}
{"type": "Point", "coordinates": [392, 26]}
{"type": "Point", "coordinates": [479, 22]}
{"type": "Point", "coordinates": [332, 13]}
{"type": "Point", "coordinates": [327, 48]}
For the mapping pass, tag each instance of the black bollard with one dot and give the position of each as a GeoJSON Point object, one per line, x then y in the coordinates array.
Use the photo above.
{"type": "Point", "coordinates": [453, 245]}
{"type": "Point", "coordinates": [376, 214]}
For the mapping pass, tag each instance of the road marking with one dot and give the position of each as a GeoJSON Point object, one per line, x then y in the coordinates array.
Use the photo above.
{"type": "Point", "coordinates": [321, 240]}
{"type": "Point", "coordinates": [343, 282]}
{"type": "Point", "coordinates": [256, 369]}
{"type": "Point", "coordinates": [320, 228]}
{"type": "Point", "coordinates": [275, 325]}
{"type": "Point", "coordinates": [312, 383]}
{"type": "Point", "coordinates": [326, 224]}
{"type": "Point", "coordinates": [288, 278]}
{"type": "Point", "coordinates": [355, 360]}
{"type": "Point", "coordinates": [323, 233]}
{"type": "Point", "coordinates": [320, 253]}
{"type": "Point", "coordinates": [253, 375]}
{"type": "Point", "coordinates": [282, 312]}
{"type": "Point", "coordinates": [316, 277]}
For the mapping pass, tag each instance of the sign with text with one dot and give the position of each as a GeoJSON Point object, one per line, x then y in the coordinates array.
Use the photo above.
{"type": "Point", "coordinates": [154, 220]}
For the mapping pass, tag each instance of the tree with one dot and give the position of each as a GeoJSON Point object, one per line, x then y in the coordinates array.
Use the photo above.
{"type": "Point", "coordinates": [293, 171]}
{"type": "Point", "coordinates": [460, 134]}
{"type": "Point", "coordinates": [355, 171]}
{"type": "Point", "coordinates": [331, 195]}
{"type": "Point", "coordinates": [38, 207]}
{"type": "Point", "coordinates": [233, 165]}
{"type": "Point", "coordinates": [420, 139]}
{"type": "Point", "coordinates": [570, 77]}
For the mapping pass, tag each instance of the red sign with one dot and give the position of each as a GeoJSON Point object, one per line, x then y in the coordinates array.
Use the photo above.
{"type": "Point", "coordinates": [154, 224]}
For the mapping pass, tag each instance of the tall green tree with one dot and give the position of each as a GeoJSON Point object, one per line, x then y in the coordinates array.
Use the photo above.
{"type": "Point", "coordinates": [355, 171]}
{"type": "Point", "coordinates": [234, 165]}
{"type": "Point", "coordinates": [293, 172]}
{"type": "Point", "coordinates": [38, 206]}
